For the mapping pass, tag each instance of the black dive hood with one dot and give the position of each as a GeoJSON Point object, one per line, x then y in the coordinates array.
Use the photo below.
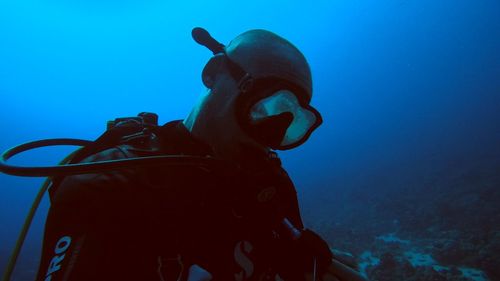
{"type": "Point", "coordinates": [260, 54]}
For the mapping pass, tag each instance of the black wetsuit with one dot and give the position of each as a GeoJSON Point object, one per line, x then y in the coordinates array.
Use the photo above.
{"type": "Point", "coordinates": [152, 223]}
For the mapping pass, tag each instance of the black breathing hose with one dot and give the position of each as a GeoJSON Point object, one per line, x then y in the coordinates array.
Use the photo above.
{"type": "Point", "coordinates": [93, 167]}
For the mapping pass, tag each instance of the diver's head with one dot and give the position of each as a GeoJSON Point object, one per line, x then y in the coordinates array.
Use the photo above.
{"type": "Point", "coordinates": [259, 93]}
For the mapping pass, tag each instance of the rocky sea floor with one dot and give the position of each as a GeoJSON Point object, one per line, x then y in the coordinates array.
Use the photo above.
{"type": "Point", "coordinates": [440, 228]}
{"type": "Point", "coordinates": [394, 258]}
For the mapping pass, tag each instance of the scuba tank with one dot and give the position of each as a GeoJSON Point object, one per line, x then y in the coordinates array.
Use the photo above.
{"type": "Point", "coordinates": [119, 131]}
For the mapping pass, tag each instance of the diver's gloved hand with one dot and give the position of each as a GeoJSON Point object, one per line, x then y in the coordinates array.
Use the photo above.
{"type": "Point", "coordinates": [315, 249]}
{"type": "Point", "coordinates": [306, 254]}
{"type": "Point", "coordinates": [318, 263]}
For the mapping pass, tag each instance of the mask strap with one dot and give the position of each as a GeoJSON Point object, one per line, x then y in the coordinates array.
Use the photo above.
{"type": "Point", "coordinates": [245, 79]}
{"type": "Point", "coordinates": [202, 37]}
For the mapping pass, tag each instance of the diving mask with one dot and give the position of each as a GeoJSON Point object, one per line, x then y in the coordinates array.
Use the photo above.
{"type": "Point", "coordinates": [281, 121]}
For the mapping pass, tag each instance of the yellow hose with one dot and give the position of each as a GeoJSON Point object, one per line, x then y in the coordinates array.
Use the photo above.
{"type": "Point", "coordinates": [27, 222]}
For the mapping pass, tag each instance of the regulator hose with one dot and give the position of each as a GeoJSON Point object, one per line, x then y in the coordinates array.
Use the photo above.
{"type": "Point", "coordinates": [92, 167]}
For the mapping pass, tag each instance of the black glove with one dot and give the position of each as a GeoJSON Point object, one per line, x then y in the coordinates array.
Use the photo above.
{"type": "Point", "coordinates": [312, 246]}
{"type": "Point", "coordinates": [303, 254]}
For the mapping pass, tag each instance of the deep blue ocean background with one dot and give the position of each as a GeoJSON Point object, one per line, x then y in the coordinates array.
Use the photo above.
{"type": "Point", "coordinates": [404, 174]}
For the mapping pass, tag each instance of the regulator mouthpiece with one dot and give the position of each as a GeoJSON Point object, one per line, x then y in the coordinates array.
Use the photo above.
{"type": "Point", "coordinates": [202, 37]}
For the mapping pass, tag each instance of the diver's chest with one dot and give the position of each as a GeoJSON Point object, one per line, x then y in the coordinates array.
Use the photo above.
{"type": "Point", "coordinates": [239, 196]}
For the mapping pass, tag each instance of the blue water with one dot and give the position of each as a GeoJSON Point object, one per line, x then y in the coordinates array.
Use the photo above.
{"type": "Point", "coordinates": [409, 91]}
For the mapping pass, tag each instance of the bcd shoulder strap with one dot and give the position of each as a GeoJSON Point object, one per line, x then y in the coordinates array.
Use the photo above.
{"type": "Point", "coordinates": [120, 131]}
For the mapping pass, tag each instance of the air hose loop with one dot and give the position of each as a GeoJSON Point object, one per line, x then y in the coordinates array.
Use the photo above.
{"type": "Point", "coordinates": [93, 167]}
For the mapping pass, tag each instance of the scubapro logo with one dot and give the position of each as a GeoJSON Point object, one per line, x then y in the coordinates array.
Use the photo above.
{"type": "Point", "coordinates": [242, 248]}
{"type": "Point", "coordinates": [62, 246]}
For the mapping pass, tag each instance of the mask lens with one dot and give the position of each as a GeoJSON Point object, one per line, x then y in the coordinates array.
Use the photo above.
{"type": "Point", "coordinates": [285, 101]}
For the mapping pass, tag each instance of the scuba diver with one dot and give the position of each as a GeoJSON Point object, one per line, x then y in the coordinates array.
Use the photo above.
{"type": "Point", "coordinates": [231, 215]}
